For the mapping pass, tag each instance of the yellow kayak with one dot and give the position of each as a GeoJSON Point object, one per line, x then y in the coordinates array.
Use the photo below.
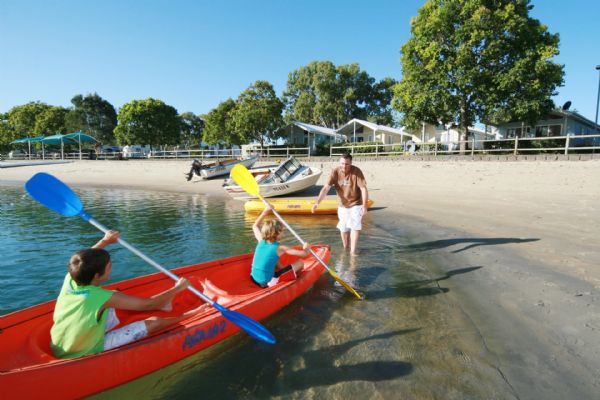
{"type": "Point", "coordinates": [295, 206]}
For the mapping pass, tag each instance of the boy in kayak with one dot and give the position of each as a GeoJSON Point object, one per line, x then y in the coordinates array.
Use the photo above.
{"type": "Point", "coordinates": [84, 316]}
{"type": "Point", "coordinates": [266, 269]}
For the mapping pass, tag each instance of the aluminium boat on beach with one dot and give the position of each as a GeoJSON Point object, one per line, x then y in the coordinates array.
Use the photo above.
{"type": "Point", "coordinates": [28, 369]}
{"type": "Point", "coordinates": [288, 177]}
{"type": "Point", "coordinates": [295, 206]}
{"type": "Point", "coordinates": [223, 167]}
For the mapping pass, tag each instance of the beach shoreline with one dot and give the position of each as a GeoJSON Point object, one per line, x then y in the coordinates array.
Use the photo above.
{"type": "Point", "coordinates": [523, 235]}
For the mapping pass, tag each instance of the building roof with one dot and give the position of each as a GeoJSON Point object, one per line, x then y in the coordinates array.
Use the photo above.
{"type": "Point", "coordinates": [348, 128]}
{"type": "Point", "coordinates": [315, 129]}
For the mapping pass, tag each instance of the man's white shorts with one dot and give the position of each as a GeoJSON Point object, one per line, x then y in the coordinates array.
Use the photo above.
{"type": "Point", "coordinates": [122, 336]}
{"type": "Point", "coordinates": [350, 218]}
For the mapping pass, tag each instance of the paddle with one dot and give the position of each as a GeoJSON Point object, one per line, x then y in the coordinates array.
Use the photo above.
{"type": "Point", "coordinates": [55, 195]}
{"type": "Point", "coordinates": [244, 178]}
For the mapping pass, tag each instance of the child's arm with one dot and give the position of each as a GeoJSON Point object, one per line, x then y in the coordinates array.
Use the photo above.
{"type": "Point", "coordinates": [109, 238]}
{"type": "Point", "coordinates": [282, 249]}
{"type": "Point", "coordinates": [256, 225]}
{"type": "Point", "coordinates": [126, 302]}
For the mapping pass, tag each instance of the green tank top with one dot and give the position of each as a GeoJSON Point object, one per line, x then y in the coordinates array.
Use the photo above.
{"type": "Point", "coordinates": [77, 330]}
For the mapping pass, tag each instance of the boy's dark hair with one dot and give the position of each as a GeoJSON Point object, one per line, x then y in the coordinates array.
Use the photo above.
{"type": "Point", "coordinates": [347, 156]}
{"type": "Point", "coordinates": [85, 264]}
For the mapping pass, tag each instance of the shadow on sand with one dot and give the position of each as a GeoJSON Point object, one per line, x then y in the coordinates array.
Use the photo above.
{"type": "Point", "coordinates": [472, 242]}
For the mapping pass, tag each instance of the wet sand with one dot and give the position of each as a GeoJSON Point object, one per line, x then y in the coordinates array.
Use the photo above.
{"type": "Point", "coordinates": [514, 245]}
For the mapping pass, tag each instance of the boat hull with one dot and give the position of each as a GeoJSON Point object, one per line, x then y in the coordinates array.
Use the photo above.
{"type": "Point", "coordinates": [295, 206]}
{"type": "Point", "coordinates": [25, 356]}
{"type": "Point", "coordinates": [276, 189]}
{"type": "Point", "coordinates": [225, 168]}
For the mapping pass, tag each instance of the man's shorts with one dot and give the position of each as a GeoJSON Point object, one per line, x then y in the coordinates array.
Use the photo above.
{"type": "Point", "coordinates": [350, 218]}
{"type": "Point", "coordinates": [122, 336]}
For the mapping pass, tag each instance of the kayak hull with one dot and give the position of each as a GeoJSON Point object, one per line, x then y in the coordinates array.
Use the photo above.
{"type": "Point", "coordinates": [25, 355]}
{"type": "Point", "coordinates": [295, 206]}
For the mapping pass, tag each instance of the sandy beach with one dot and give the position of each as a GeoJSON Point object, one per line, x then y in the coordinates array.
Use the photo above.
{"type": "Point", "coordinates": [527, 230]}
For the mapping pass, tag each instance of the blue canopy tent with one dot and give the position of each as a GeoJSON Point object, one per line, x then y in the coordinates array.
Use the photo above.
{"type": "Point", "coordinates": [81, 137]}
{"type": "Point", "coordinates": [59, 139]}
{"type": "Point", "coordinates": [28, 140]}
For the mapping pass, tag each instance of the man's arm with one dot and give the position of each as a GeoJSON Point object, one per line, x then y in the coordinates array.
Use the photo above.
{"type": "Point", "coordinates": [322, 194]}
{"type": "Point", "coordinates": [364, 193]}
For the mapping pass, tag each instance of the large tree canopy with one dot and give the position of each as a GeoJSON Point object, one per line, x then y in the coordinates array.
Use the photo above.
{"type": "Point", "coordinates": [218, 126]}
{"type": "Point", "coordinates": [323, 94]}
{"type": "Point", "coordinates": [477, 61]}
{"type": "Point", "coordinates": [191, 129]}
{"type": "Point", "coordinates": [148, 121]}
{"type": "Point", "coordinates": [51, 121]}
{"type": "Point", "coordinates": [94, 116]}
{"type": "Point", "coordinates": [20, 121]}
{"type": "Point", "coordinates": [257, 114]}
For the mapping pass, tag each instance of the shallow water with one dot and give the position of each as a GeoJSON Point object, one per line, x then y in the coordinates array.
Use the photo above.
{"type": "Point", "coordinates": [406, 340]}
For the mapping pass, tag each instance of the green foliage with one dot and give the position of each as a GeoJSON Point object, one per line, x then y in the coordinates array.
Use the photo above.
{"type": "Point", "coordinates": [149, 122]}
{"type": "Point", "coordinates": [50, 121]}
{"type": "Point", "coordinates": [93, 115]}
{"type": "Point", "coordinates": [191, 129]}
{"type": "Point", "coordinates": [257, 113]}
{"type": "Point", "coordinates": [477, 60]}
{"type": "Point", "coordinates": [322, 94]}
{"type": "Point", "coordinates": [22, 119]}
{"type": "Point", "coordinates": [217, 126]}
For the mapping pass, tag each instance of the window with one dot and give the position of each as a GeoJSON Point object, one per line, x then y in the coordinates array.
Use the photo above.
{"type": "Point", "coordinates": [547, 130]}
{"type": "Point", "coordinates": [513, 132]}
{"type": "Point", "coordinates": [360, 139]}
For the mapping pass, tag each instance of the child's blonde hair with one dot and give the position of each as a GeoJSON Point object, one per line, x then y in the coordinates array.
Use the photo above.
{"type": "Point", "coordinates": [270, 230]}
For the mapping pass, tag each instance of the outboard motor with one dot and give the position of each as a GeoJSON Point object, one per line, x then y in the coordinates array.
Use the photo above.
{"type": "Point", "coordinates": [195, 169]}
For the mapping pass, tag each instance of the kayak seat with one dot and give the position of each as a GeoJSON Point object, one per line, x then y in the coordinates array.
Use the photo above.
{"type": "Point", "coordinates": [39, 342]}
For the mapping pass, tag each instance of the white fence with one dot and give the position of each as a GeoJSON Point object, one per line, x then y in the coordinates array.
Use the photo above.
{"type": "Point", "coordinates": [552, 144]}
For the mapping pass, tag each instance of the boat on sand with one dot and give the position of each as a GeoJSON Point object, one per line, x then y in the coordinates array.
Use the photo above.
{"type": "Point", "coordinates": [288, 177]}
{"type": "Point", "coordinates": [295, 206]}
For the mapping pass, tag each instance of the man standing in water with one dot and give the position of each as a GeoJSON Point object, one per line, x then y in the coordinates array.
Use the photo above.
{"type": "Point", "coordinates": [353, 198]}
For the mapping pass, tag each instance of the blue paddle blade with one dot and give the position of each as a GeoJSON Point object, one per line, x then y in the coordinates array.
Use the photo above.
{"type": "Point", "coordinates": [55, 195]}
{"type": "Point", "coordinates": [253, 328]}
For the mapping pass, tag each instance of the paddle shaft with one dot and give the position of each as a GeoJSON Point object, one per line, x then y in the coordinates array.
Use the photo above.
{"type": "Point", "coordinates": [295, 234]}
{"type": "Point", "coordinates": [150, 261]}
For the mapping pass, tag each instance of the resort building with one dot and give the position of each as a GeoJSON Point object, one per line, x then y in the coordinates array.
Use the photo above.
{"type": "Point", "coordinates": [302, 134]}
{"type": "Point", "coordinates": [358, 130]}
{"type": "Point", "coordinates": [558, 122]}
{"type": "Point", "coordinates": [448, 135]}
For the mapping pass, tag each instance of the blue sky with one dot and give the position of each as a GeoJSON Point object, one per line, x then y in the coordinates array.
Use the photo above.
{"type": "Point", "coordinates": [195, 54]}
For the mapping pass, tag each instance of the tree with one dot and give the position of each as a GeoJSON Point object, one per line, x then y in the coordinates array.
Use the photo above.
{"type": "Point", "coordinates": [22, 119]}
{"type": "Point", "coordinates": [218, 125]}
{"type": "Point", "coordinates": [7, 133]}
{"type": "Point", "coordinates": [149, 122]}
{"type": "Point", "coordinates": [257, 114]}
{"type": "Point", "coordinates": [191, 129]}
{"type": "Point", "coordinates": [94, 116]}
{"type": "Point", "coordinates": [50, 121]}
{"type": "Point", "coordinates": [477, 61]}
{"type": "Point", "coordinates": [323, 94]}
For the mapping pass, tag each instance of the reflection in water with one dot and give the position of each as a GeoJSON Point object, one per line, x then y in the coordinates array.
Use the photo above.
{"type": "Point", "coordinates": [406, 340]}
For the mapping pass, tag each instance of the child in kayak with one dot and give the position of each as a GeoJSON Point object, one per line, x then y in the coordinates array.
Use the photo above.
{"type": "Point", "coordinates": [266, 269]}
{"type": "Point", "coordinates": [84, 316]}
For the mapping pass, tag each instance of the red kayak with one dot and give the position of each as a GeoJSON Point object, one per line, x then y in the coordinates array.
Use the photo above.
{"type": "Point", "coordinates": [28, 368]}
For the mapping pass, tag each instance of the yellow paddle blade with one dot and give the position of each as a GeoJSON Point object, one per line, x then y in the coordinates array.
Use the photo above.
{"type": "Point", "coordinates": [244, 178]}
{"type": "Point", "coordinates": [344, 284]}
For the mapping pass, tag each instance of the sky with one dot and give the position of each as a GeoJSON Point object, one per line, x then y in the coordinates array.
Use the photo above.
{"type": "Point", "coordinates": [194, 54]}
